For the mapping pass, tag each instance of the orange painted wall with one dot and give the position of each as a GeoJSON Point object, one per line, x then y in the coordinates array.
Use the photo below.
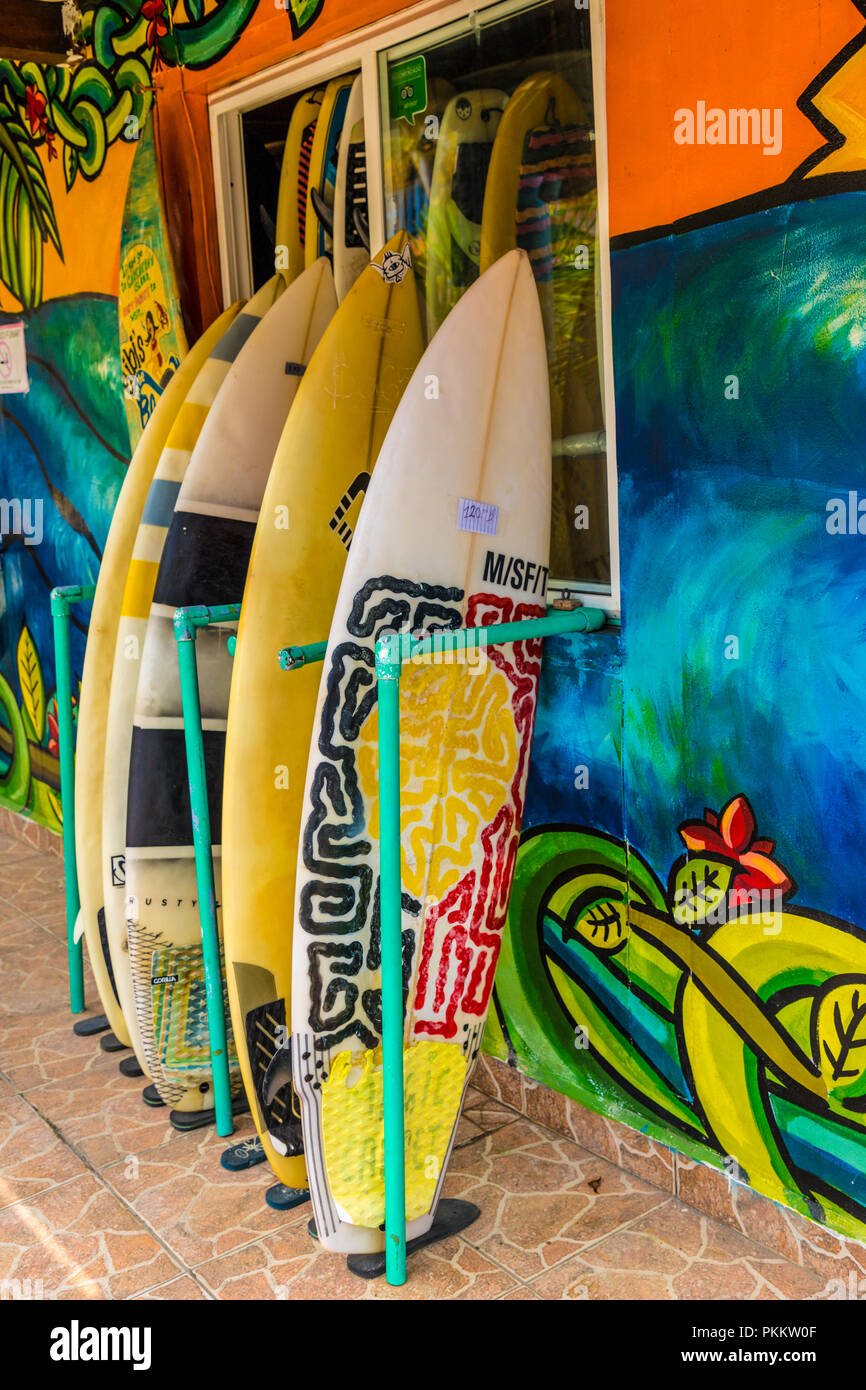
{"type": "Point", "coordinates": [183, 135]}
{"type": "Point", "coordinates": [739, 53]}
{"type": "Point", "coordinates": [660, 58]}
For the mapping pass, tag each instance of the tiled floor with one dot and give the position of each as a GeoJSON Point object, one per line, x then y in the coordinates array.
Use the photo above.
{"type": "Point", "coordinates": [101, 1198]}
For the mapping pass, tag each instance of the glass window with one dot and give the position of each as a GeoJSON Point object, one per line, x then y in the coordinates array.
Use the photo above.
{"type": "Point", "coordinates": [489, 144]}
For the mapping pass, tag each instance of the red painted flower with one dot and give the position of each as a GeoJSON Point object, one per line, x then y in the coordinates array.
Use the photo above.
{"type": "Point", "coordinates": [155, 14]}
{"type": "Point", "coordinates": [49, 140]}
{"type": "Point", "coordinates": [36, 107]}
{"type": "Point", "coordinates": [731, 834]}
{"type": "Point", "coordinates": [54, 741]}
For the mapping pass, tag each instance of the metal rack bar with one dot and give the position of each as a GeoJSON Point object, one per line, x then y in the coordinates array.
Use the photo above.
{"type": "Point", "coordinates": [62, 600]}
{"type": "Point", "coordinates": [187, 624]}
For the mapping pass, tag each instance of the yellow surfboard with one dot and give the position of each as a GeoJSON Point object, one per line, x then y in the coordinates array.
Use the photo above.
{"type": "Point", "coordinates": [318, 238]}
{"type": "Point", "coordinates": [541, 196]}
{"type": "Point", "coordinates": [98, 663]}
{"type": "Point", "coordinates": [463, 150]}
{"type": "Point", "coordinates": [294, 180]}
{"type": "Point", "coordinates": [152, 337]}
{"type": "Point", "coordinates": [329, 446]}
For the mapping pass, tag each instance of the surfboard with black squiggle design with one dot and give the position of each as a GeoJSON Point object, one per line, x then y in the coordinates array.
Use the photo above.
{"type": "Point", "coordinates": [454, 532]}
{"type": "Point", "coordinates": [321, 469]}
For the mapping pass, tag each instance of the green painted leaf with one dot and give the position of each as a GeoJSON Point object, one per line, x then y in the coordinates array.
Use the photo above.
{"type": "Point", "coordinates": [70, 165]}
{"type": "Point", "coordinates": [32, 686]}
{"type": "Point", "coordinates": [698, 890]}
{"type": "Point", "coordinates": [839, 1031]}
{"type": "Point", "coordinates": [26, 212]}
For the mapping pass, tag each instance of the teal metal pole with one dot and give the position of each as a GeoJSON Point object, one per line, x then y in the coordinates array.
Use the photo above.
{"type": "Point", "coordinates": [552, 625]}
{"type": "Point", "coordinates": [187, 621]}
{"type": "Point", "coordinates": [61, 600]}
{"type": "Point", "coordinates": [388, 663]}
{"type": "Point", "coordinates": [391, 652]}
{"type": "Point", "coordinates": [292, 658]}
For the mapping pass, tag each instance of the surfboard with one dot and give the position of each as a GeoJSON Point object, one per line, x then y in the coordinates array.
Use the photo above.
{"type": "Point", "coordinates": [294, 181]}
{"type": "Point", "coordinates": [215, 353]}
{"type": "Point", "coordinates": [204, 561]}
{"type": "Point", "coordinates": [454, 532]}
{"type": "Point", "coordinates": [409, 158]}
{"type": "Point", "coordinates": [342, 411]}
{"type": "Point", "coordinates": [96, 675]}
{"type": "Point", "coordinates": [463, 152]}
{"type": "Point", "coordinates": [540, 196]}
{"type": "Point", "coordinates": [152, 337]}
{"type": "Point", "coordinates": [318, 233]}
{"type": "Point", "coordinates": [351, 224]}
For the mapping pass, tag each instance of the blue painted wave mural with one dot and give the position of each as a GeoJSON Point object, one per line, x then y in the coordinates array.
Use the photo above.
{"type": "Point", "coordinates": [686, 944]}
{"type": "Point", "coordinates": [64, 447]}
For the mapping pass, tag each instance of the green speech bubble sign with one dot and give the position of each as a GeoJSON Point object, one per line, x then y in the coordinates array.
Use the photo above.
{"type": "Point", "coordinates": [407, 88]}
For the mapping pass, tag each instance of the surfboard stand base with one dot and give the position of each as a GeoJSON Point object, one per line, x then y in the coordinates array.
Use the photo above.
{"type": "Point", "coordinates": [150, 1095]}
{"type": "Point", "coordinates": [111, 1043]}
{"type": "Point", "coordinates": [197, 1119]}
{"type": "Point", "coordinates": [452, 1216]}
{"type": "Point", "coordinates": [129, 1067]}
{"type": "Point", "coordinates": [89, 1027]}
{"type": "Point", "coordinates": [246, 1154]}
{"type": "Point", "coordinates": [283, 1198]}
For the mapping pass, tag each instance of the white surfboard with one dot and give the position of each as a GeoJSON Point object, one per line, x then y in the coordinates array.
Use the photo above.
{"type": "Point", "coordinates": [224, 340]}
{"type": "Point", "coordinates": [351, 250]}
{"type": "Point", "coordinates": [204, 561]}
{"type": "Point", "coordinates": [454, 532]}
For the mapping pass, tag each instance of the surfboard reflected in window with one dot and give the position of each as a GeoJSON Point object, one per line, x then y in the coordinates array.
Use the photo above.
{"type": "Point", "coordinates": [489, 144]}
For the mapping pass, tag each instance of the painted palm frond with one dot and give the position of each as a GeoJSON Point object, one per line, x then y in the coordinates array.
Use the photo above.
{"type": "Point", "coordinates": [27, 217]}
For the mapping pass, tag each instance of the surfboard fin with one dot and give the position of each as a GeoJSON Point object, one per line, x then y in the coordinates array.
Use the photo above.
{"type": "Point", "coordinates": [269, 1051]}
{"type": "Point", "coordinates": [323, 210]}
{"type": "Point", "coordinates": [362, 226]}
{"type": "Point", "coordinates": [278, 1074]}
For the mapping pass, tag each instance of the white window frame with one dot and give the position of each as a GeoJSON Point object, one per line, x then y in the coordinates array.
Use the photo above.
{"type": "Point", "coordinates": [361, 51]}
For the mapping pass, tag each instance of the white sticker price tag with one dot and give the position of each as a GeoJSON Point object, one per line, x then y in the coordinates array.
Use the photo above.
{"type": "Point", "coordinates": [482, 517]}
{"type": "Point", "coordinates": [13, 359]}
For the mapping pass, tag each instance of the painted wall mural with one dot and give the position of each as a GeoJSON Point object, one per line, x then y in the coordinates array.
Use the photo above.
{"type": "Point", "coordinates": [73, 143]}
{"type": "Point", "coordinates": [686, 945]}
{"type": "Point", "coordinates": [75, 114]}
{"type": "Point", "coordinates": [63, 450]}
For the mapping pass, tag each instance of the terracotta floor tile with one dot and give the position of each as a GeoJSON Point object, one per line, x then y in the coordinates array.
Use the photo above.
{"type": "Point", "coordinates": [33, 971]}
{"type": "Point", "coordinates": [14, 851]}
{"type": "Point", "coordinates": [199, 1209]}
{"type": "Point", "coordinates": [677, 1253]}
{"type": "Point", "coordinates": [81, 1243]}
{"type": "Point", "coordinates": [40, 1047]}
{"type": "Point", "coordinates": [32, 1158]}
{"type": "Point", "coordinates": [55, 922]}
{"type": "Point", "coordinates": [467, 1132]}
{"type": "Point", "coordinates": [102, 1113]}
{"type": "Point", "coordinates": [289, 1265]}
{"type": "Point", "coordinates": [541, 1197]}
{"type": "Point", "coordinates": [486, 1113]}
{"type": "Point", "coordinates": [35, 886]}
{"type": "Point", "coordinates": [577, 1281]}
{"type": "Point", "coordinates": [183, 1289]}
